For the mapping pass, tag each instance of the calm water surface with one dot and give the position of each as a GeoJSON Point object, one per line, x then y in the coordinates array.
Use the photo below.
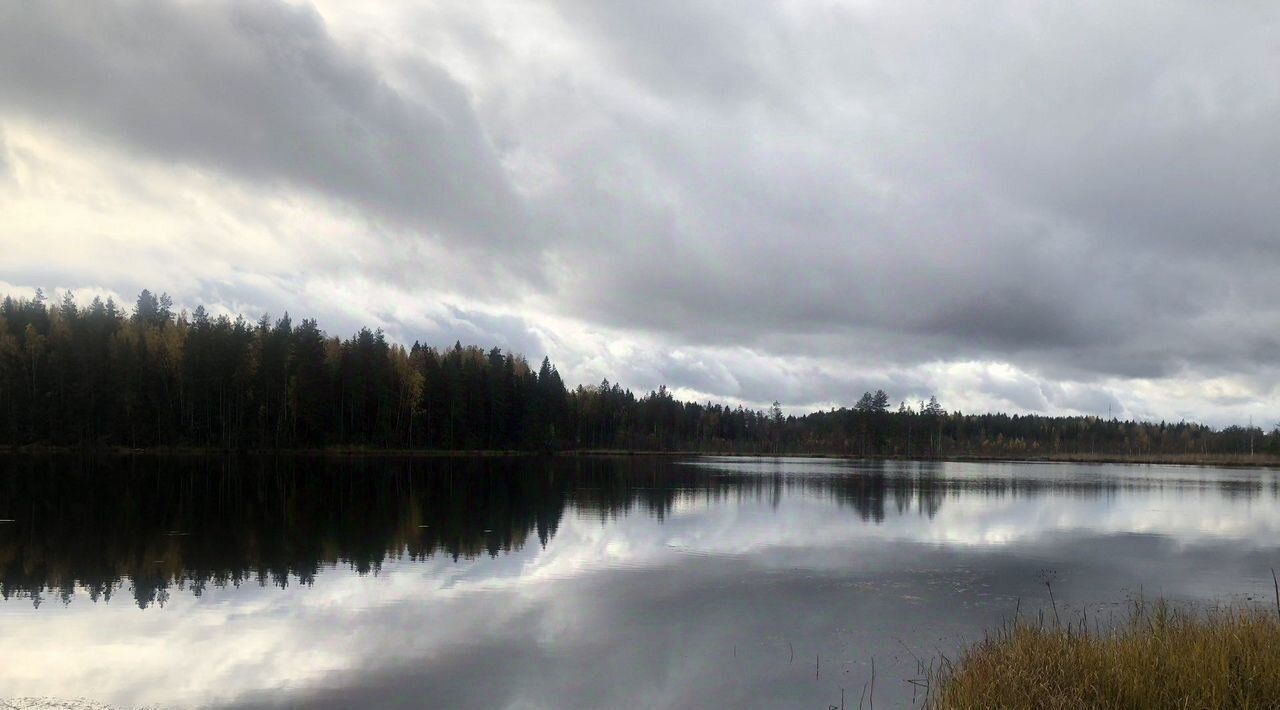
{"type": "Point", "coordinates": [579, 583]}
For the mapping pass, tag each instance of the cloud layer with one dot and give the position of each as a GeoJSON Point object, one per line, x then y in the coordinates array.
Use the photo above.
{"type": "Point", "coordinates": [1019, 206]}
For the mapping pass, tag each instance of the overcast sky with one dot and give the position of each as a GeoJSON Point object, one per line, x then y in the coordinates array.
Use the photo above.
{"type": "Point", "coordinates": [1020, 206]}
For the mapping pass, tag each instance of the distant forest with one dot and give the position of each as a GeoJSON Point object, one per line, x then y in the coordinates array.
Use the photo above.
{"type": "Point", "coordinates": [106, 376]}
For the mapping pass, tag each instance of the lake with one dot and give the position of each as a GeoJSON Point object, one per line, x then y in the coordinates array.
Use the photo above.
{"type": "Point", "coordinates": [581, 582]}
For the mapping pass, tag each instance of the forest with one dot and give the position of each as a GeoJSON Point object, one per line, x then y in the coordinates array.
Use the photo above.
{"type": "Point", "coordinates": [105, 376]}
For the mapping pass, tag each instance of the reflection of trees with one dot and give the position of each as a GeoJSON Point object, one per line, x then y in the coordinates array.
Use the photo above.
{"type": "Point", "coordinates": [164, 523]}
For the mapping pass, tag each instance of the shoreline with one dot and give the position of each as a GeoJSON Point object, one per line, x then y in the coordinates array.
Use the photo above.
{"type": "Point", "coordinates": [1259, 461]}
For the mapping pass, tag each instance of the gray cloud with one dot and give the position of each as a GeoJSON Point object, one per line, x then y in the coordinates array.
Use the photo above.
{"type": "Point", "coordinates": [852, 194]}
{"type": "Point", "coordinates": [1033, 208]}
{"type": "Point", "coordinates": [511, 333]}
{"type": "Point", "coordinates": [711, 51]}
{"type": "Point", "coordinates": [261, 90]}
{"type": "Point", "coordinates": [1089, 400]}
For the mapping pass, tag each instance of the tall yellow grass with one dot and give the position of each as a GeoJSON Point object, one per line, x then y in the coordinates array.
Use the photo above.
{"type": "Point", "coordinates": [1159, 658]}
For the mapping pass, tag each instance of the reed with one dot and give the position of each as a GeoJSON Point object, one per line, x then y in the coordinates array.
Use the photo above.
{"type": "Point", "coordinates": [1158, 658]}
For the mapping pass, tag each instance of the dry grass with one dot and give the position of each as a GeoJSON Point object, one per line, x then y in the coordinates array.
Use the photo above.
{"type": "Point", "coordinates": [1159, 658]}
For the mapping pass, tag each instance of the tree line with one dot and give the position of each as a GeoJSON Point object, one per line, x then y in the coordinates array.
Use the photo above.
{"type": "Point", "coordinates": [105, 376]}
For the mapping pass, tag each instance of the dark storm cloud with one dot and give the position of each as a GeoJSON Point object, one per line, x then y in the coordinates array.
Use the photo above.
{"type": "Point", "coordinates": [1029, 185]}
{"type": "Point", "coordinates": [262, 91]}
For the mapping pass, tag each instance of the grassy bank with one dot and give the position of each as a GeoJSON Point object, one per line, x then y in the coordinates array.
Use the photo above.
{"type": "Point", "coordinates": [1158, 658]}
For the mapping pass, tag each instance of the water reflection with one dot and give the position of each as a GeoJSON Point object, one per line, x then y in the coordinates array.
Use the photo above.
{"type": "Point", "coordinates": [187, 523]}
{"type": "Point", "coordinates": [638, 582]}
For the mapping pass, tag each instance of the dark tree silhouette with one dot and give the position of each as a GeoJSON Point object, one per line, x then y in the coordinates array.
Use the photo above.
{"type": "Point", "coordinates": [98, 376]}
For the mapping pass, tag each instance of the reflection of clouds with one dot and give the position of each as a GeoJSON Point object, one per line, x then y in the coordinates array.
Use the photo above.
{"type": "Point", "coordinates": [635, 611]}
{"type": "Point", "coordinates": [1018, 502]}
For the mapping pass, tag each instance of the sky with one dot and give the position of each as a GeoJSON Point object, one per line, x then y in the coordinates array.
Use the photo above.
{"type": "Point", "coordinates": [1023, 206]}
